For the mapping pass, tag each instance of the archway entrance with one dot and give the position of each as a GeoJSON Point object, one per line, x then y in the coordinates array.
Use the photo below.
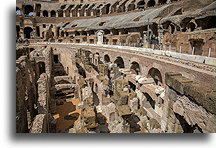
{"type": "Point", "coordinates": [27, 32]}
{"type": "Point", "coordinates": [28, 10]}
{"type": "Point", "coordinates": [45, 13]}
{"type": "Point", "coordinates": [156, 75]}
{"type": "Point", "coordinates": [119, 62]}
{"type": "Point", "coordinates": [53, 13]}
{"type": "Point", "coordinates": [197, 44]}
{"type": "Point", "coordinates": [135, 68]}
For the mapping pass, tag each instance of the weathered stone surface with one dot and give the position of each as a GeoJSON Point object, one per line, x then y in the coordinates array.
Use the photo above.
{"type": "Point", "coordinates": [39, 124]}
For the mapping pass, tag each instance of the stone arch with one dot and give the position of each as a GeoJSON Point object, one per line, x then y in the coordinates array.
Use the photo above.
{"type": "Point", "coordinates": [197, 44]}
{"type": "Point", "coordinates": [135, 68]}
{"type": "Point", "coordinates": [119, 62]}
{"type": "Point", "coordinates": [156, 75]}
{"type": "Point", "coordinates": [141, 4]}
{"type": "Point", "coordinates": [27, 32]}
{"type": "Point", "coordinates": [191, 26]}
{"type": "Point", "coordinates": [45, 13]}
{"type": "Point", "coordinates": [131, 7]}
{"type": "Point", "coordinates": [28, 10]}
{"type": "Point", "coordinates": [106, 9]}
{"type": "Point", "coordinates": [53, 13]}
{"type": "Point", "coordinates": [171, 28]}
{"type": "Point", "coordinates": [151, 3]}
{"type": "Point", "coordinates": [207, 22]}
{"type": "Point", "coordinates": [184, 23]}
{"type": "Point", "coordinates": [106, 58]}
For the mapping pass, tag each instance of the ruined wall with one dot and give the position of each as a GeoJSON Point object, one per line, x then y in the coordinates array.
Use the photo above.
{"type": "Point", "coordinates": [26, 94]}
{"type": "Point", "coordinates": [40, 123]}
{"type": "Point", "coordinates": [190, 107]}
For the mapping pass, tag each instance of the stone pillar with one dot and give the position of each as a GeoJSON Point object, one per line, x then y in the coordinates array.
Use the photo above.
{"type": "Point", "coordinates": [41, 13]}
{"type": "Point", "coordinates": [64, 13]}
{"type": "Point", "coordinates": [49, 13]}
{"type": "Point", "coordinates": [145, 38]}
{"type": "Point", "coordinates": [100, 35]}
{"type": "Point", "coordinates": [160, 37]}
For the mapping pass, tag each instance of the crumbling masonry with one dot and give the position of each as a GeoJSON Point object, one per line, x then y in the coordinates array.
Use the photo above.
{"type": "Point", "coordinates": [94, 67]}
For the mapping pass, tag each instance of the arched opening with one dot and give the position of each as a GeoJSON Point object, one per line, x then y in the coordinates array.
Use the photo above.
{"type": "Point", "coordinates": [53, 13]}
{"type": "Point", "coordinates": [131, 7]}
{"type": "Point", "coordinates": [191, 27]}
{"type": "Point", "coordinates": [28, 10]}
{"type": "Point", "coordinates": [119, 62]}
{"type": "Point", "coordinates": [151, 3]}
{"type": "Point", "coordinates": [156, 75]}
{"type": "Point", "coordinates": [197, 44]}
{"type": "Point", "coordinates": [41, 68]}
{"type": "Point", "coordinates": [106, 59]}
{"type": "Point", "coordinates": [135, 68]}
{"type": "Point", "coordinates": [60, 13]}
{"type": "Point", "coordinates": [18, 12]}
{"type": "Point", "coordinates": [207, 22]}
{"type": "Point", "coordinates": [171, 28]}
{"type": "Point", "coordinates": [96, 59]}
{"type": "Point", "coordinates": [162, 2]}
{"type": "Point", "coordinates": [140, 4]}
{"type": "Point", "coordinates": [115, 32]}
{"type": "Point", "coordinates": [56, 59]}
{"type": "Point", "coordinates": [106, 31]}
{"type": "Point", "coordinates": [84, 33]}
{"type": "Point", "coordinates": [91, 32]}
{"type": "Point", "coordinates": [45, 13]}
{"type": "Point", "coordinates": [17, 31]}
{"type": "Point", "coordinates": [27, 32]}
{"type": "Point", "coordinates": [76, 33]}
{"type": "Point", "coordinates": [106, 9]}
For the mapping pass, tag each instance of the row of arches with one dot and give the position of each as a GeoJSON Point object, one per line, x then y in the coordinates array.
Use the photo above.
{"type": "Point", "coordinates": [52, 13]}
{"type": "Point", "coordinates": [190, 24]}
{"type": "Point", "coordinates": [88, 10]}
{"type": "Point", "coordinates": [136, 69]}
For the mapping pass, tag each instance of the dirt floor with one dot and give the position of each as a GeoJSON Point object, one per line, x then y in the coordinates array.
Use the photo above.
{"type": "Point", "coordinates": [67, 113]}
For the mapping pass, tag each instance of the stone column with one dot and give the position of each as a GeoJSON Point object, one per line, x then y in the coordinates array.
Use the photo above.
{"type": "Point", "coordinates": [100, 35]}
{"type": "Point", "coordinates": [49, 13]}
{"type": "Point", "coordinates": [145, 42]}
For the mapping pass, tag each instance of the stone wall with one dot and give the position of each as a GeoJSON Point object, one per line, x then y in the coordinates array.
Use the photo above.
{"type": "Point", "coordinates": [26, 94]}
{"type": "Point", "coordinates": [190, 106]}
